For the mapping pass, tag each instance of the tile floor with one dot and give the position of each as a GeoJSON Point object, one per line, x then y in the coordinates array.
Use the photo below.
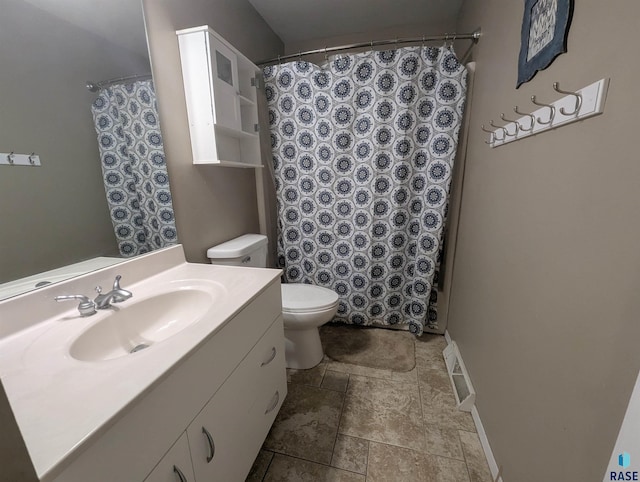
{"type": "Point", "coordinates": [343, 423]}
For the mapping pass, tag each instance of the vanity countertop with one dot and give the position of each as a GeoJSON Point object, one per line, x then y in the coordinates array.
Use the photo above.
{"type": "Point", "coordinates": [61, 403]}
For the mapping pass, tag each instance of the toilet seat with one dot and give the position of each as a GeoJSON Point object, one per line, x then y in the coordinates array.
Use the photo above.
{"type": "Point", "coordinates": [307, 298]}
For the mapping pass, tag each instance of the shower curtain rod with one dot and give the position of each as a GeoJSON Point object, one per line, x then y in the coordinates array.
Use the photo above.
{"type": "Point", "coordinates": [474, 37]}
{"type": "Point", "coordinates": [96, 86]}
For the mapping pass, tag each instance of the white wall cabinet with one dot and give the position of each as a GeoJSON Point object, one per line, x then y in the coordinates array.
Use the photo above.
{"type": "Point", "coordinates": [233, 385]}
{"type": "Point", "coordinates": [221, 94]}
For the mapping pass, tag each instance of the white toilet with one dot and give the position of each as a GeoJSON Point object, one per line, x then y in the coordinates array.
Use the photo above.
{"type": "Point", "coordinates": [305, 307]}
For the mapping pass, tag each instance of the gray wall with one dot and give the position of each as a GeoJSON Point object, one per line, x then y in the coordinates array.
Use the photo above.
{"type": "Point", "coordinates": [55, 214]}
{"type": "Point", "coordinates": [545, 303]}
{"type": "Point", "coordinates": [212, 204]}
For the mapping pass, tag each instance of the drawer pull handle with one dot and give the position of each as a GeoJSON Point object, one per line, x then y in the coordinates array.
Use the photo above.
{"type": "Point", "coordinates": [179, 473]}
{"type": "Point", "coordinates": [212, 446]}
{"type": "Point", "coordinates": [273, 355]}
{"type": "Point", "coordinates": [274, 402]}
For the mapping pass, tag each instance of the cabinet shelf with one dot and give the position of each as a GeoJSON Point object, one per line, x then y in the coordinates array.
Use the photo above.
{"type": "Point", "coordinates": [239, 134]}
{"type": "Point", "coordinates": [223, 163]}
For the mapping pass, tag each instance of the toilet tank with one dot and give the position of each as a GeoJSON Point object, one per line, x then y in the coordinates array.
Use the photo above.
{"type": "Point", "coordinates": [246, 250]}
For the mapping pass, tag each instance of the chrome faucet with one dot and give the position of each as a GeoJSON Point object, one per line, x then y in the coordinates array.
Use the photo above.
{"type": "Point", "coordinates": [102, 301]}
{"type": "Point", "coordinates": [116, 295]}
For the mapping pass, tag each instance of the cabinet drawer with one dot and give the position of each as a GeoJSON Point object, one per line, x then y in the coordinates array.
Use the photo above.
{"type": "Point", "coordinates": [226, 436]}
{"type": "Point", "coordinates": [175, 466]}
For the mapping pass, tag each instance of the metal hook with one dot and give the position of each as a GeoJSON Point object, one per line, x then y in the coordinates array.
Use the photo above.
{"type": "Point", "coordinates": [515, 123]}
{"type": "Point", "coordinates": [492, 138]}
{"type": "Point", "coordinates": [552, 112]}
{"type": "Point", "coordinates": [556, 87]}
{"type": "Point", "coordinates": [10, 157]}
{"type": "Point", "coordinates": [531, 116]}
{"type": "Point", "coordinates": [326, 57]}
{"type": "Point", "coordinates": [504, 131]}
{"type": "Point", "coordinates": [31, 158]}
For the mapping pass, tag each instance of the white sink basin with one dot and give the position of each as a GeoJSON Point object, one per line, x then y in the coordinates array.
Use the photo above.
{"type": "Point", "coordinates": [139, 325]}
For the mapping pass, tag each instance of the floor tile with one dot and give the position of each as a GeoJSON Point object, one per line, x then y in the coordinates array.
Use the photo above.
{"type": "Point", "coordinates": [429, 351]}
{"type": "Point", "coordinates": [475, 457]}
{"type": "Point", "coordinates": [389, 463]}
{"type": "Point", "coordinates": [312, 376]}
{"type": "Point", "coordinates": [383, 411]}
{"type": "Point", "coordinates": [289, 469]}
{"type": "Point", "coordinates": [450, 470]}
{"type": "Point", "coordinates": [260, 466]}
{"type": "Point", "coordinates": [351, 454]}
{"type": "Point", "coordinates": [409, 377]}
{"type": "Point", "coordinates": [443, 441]}
{"type": "Point", "coordinates": [335, 381]}
{"type": "Point", "coordinates": [307, 424]}
{"type": "Point", "coordinates": [439, 403]}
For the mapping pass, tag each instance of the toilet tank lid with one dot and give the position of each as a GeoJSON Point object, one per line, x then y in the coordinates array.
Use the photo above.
{"type": "Point", "coordinates": [240, 246]}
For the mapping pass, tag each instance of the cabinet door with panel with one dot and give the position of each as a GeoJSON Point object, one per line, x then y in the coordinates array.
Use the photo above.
{"type": "Point", "coordinates": [227, 434]}
{"type": "Point", "coordinates": [175, 466]}
{"type": "Point", "coordinates": [225, 84]}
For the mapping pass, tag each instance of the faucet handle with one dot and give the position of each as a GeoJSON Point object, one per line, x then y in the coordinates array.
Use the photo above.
{"type": "Point", "coordinates": [86, 306]}
{"type": "Point", "coordinates": [116, 283]}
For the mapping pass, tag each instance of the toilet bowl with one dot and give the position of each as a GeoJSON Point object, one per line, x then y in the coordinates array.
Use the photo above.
{"type": "Point", "coordinates": [305, 307]}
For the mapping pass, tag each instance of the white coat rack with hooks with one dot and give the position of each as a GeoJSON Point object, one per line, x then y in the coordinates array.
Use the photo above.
{"type": "Point", "coordinates": [13, 159]}
{"type": "Point", "coordinates": [574, 106]}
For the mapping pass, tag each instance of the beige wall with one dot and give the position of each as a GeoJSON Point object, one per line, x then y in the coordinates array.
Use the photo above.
{"type": "Point", "coordinates": [404, 31]}
{"type": "Point", "coordinates": [212, 204]}
{"type": "Point", "coordinates": [545, 303]}
{"type": "Point", "coordinates": [55, 214]}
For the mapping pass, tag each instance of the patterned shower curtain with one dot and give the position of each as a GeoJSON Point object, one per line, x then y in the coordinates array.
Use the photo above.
{"type": "Point", "coordinates": [363, 153]}
{"type": "Point", "coordinates": [134, 169]}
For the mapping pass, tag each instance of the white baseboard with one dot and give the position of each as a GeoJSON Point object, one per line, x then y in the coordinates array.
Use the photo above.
{"type": "Point", "coordinates": [482, 435]}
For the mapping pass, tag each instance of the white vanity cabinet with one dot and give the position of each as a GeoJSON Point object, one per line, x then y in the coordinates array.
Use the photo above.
{"type": "Point", "coordinates": [176, 465]}
{"type": "Point", "coordinates": [232, 385]}
{"type": "Point", "coordinates": [236, 421]}
{"type": "Point", "coordinates": [220, 91]}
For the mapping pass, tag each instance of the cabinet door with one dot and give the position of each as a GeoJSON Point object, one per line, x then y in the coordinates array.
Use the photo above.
{"type": "Point", "coordinates": [226, 436]}
{"type": "Point", "coordinates": [224, 69]}
{"type": "Point", "coordinates": [175, 466]}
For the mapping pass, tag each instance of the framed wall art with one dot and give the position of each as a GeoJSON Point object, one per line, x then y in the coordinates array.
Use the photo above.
{"type": "Point", "coordinates": [545, 27]}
